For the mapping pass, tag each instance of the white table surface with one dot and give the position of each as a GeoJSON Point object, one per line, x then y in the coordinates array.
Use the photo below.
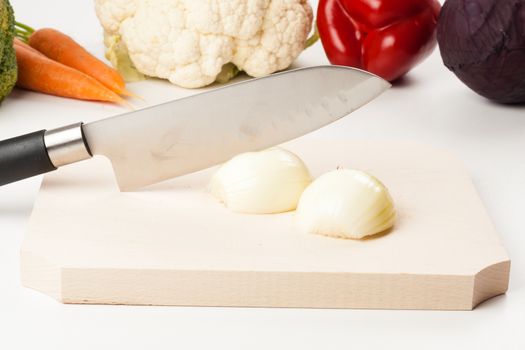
{"type": "Point", "coordinates": [431, 106]}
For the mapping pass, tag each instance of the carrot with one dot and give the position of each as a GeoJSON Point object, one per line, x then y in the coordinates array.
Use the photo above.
{"type": "Point", "coordinates": [19, 42]}
{"type": "Point", "coordinates": [62, 48]}
{"type": "Point", "coordinates": [38, 73]}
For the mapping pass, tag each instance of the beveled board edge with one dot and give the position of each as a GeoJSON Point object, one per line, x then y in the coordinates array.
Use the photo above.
{"type": "Point", "coordinates": [263, 288]}
{"type": "Point", "coordinates": [39, 273]}
{"type": "Point", "coordinates": [491, 281]}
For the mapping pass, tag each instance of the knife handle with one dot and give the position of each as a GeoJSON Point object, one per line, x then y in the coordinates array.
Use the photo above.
{"type": "Point", "coordinates": [24, 156]}
{"type": "Point", "coordinates": [41, 152]}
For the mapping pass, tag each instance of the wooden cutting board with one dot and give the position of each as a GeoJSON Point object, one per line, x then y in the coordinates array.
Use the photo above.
{"type": "Point", "coordinates": [174, 244]}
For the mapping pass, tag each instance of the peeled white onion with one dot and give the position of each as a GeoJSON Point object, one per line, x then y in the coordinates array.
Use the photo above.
{"type": "Point", "coordinates": [265, 182]}
{"type": "Point", "coordinates": [346, 204]}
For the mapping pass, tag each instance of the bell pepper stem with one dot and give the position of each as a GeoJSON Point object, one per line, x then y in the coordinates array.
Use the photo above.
{"type": "Point", "coordinates": [313, 38]}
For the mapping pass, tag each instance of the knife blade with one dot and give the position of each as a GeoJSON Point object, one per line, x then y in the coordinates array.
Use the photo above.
{"type": "Point", "coordinates": [186, 135]}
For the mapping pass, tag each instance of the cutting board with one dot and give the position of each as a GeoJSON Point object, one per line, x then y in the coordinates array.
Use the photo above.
{"type": "Point", "coordinates": [174, 244]}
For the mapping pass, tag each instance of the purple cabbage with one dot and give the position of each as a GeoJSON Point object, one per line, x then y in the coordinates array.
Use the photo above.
{"type": "Point", "coordinates": [483, 43]}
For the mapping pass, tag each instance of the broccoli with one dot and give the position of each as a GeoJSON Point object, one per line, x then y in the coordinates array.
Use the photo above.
{"type": "Point", "coordinates": [8, 69]}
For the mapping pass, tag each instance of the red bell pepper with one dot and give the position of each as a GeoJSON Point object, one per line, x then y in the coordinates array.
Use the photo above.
{"type": "Point", "coordinates": [385, 37]}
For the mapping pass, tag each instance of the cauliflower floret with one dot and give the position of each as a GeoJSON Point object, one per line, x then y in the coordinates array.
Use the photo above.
{"type": "Point", "coordinates": [112, 13]}
{"type": "Point", "coordinates": [189, 41]}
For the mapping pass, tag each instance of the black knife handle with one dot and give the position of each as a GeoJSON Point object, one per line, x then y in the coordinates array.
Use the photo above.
{"type": "Point", "coordinates": [24, 156]}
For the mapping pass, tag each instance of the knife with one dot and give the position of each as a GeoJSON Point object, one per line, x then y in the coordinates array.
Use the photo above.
{"type": "Point", "coordinates": [182, 136]}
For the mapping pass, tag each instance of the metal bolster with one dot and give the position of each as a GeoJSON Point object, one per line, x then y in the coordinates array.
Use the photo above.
{"type": "Point", "coordinates": [66, 145]}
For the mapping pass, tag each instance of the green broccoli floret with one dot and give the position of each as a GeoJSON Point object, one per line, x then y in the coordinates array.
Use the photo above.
{"type": "Point", "coordinates": [8, 69]}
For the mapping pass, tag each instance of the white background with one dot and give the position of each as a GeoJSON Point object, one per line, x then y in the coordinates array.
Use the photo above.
{"type": "Point", "coordinates": [431, 106]}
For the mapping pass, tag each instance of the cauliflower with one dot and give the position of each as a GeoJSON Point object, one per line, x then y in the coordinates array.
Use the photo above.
{"type": "Point", "coordinates": [190, 41]}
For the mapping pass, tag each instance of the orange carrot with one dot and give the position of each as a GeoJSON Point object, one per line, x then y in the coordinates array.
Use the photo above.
{"type": "Point", "coordinates": [19, 42]}
{"type": "Point", "coordinates": [38, 73]}
{"type": "Point", "coordinates": [62, 48]}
